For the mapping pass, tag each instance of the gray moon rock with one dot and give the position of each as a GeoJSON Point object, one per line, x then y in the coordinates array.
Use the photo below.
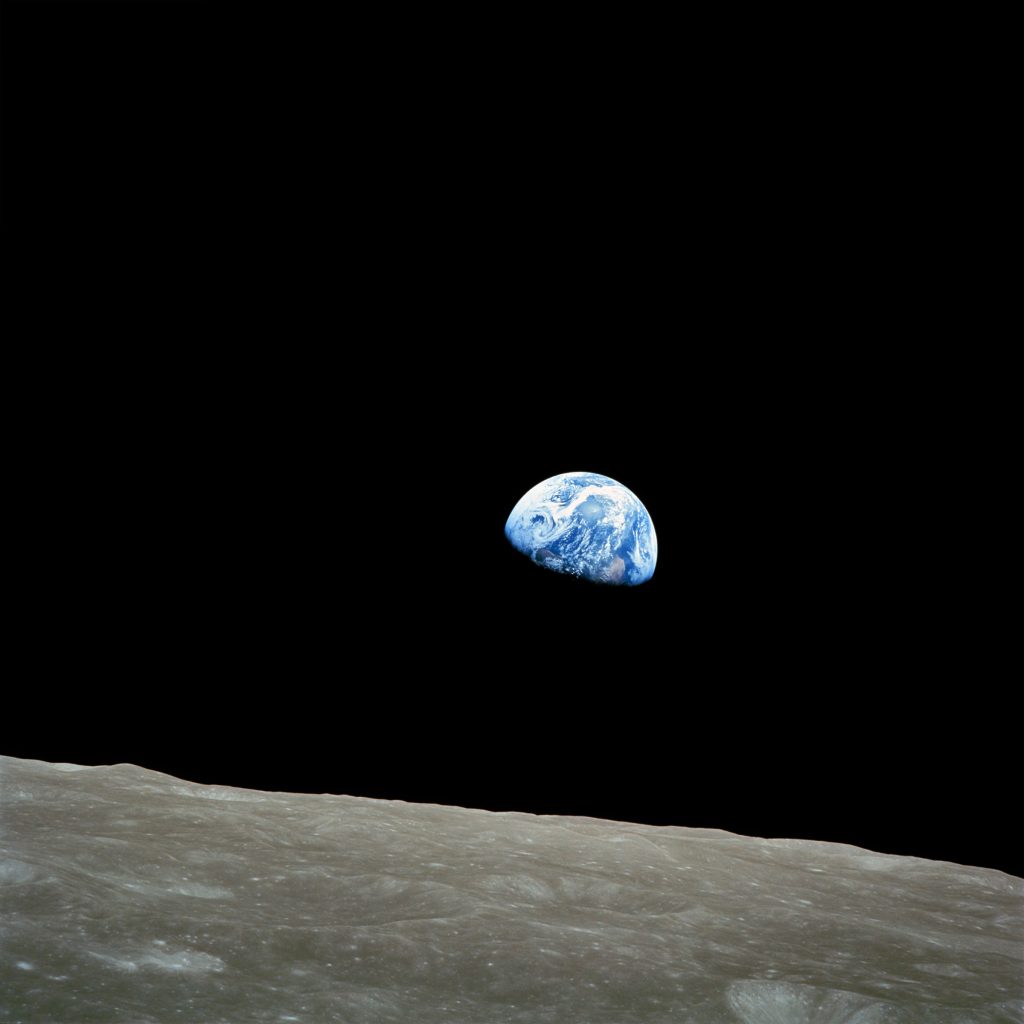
{"type": "Point", "coordinates": [129, 896]}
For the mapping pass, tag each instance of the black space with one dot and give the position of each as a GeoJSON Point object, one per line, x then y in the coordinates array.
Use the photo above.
{"type": "Point", "coordinates": [305, 308]}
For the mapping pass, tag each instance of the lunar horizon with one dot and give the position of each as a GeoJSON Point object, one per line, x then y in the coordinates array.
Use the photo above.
{"type": "Point", "coordinates": [133, 896]}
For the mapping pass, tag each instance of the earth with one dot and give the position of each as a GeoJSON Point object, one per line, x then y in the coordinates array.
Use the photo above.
{"type": "Point", "coordinates": [586, 525]}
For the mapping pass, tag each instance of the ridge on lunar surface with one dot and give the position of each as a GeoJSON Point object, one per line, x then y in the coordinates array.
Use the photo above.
{"type": "Point", "coordinates": [131, 896]}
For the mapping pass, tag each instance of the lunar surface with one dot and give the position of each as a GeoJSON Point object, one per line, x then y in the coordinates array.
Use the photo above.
{"type": "Point", "coordinates": [586, 525]}
{"type": "Point", "coordinates": [131, 896]}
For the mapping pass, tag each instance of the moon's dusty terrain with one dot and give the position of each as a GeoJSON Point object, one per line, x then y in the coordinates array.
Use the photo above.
{"type": "Point", "coordinates": [129, 896]}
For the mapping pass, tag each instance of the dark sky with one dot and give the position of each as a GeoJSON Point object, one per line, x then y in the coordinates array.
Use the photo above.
{"type": "Point", "coordinates": [310, 318]}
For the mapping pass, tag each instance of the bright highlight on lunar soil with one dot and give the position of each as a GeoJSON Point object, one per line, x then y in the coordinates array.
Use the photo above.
{"type": "Point", "coordinates": [586, 525]}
